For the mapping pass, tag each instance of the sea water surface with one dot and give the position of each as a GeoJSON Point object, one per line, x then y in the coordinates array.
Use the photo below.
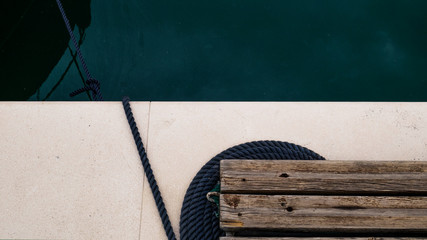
{"type": "Point", "coordinates": [256, 50]}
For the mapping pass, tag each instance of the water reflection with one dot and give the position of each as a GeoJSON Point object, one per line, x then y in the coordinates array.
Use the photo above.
{"type": "Point", "coordinates": [33, 39]}
{"type": "Point", "coordinates": [333, 50]}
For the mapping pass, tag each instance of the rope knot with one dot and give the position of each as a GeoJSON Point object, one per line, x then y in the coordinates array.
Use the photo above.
{"type": "Point", "coordinates": [92, 85]}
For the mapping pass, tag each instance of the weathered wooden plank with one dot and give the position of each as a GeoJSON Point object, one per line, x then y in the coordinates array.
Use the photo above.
{"type": "Point", "coordinates": [319, 238]}
{"type": "Point", "coordinates": [304, 213]}
{"type": "Point", "coordinates": [324, 177]}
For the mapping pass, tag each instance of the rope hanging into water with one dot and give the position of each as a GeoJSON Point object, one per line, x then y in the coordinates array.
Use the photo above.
{"type": "Point", "coordinates": [91, 83]}
{"type": "Point", "coordinates": [198, 220]}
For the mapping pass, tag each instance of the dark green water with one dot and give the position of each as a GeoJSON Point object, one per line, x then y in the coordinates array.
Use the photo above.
{"type": "Point", "coordinates": [309, 50]}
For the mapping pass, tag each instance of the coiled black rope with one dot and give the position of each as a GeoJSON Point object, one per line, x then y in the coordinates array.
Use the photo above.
{"type": "Point", "coordinates": [198, 220]}
{"type": "Point", "coordinates": [148, 171]}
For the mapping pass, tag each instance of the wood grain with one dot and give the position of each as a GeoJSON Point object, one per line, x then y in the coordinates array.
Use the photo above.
{"type": "Point", "coordinates": [324, 177]}
{"type": "Point", "coordinates": [323, 213]}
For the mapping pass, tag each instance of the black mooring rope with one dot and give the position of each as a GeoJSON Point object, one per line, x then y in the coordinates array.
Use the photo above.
{"type": "Point", "coordinates": [198, 220]}
{"type": "Point", "coordinates": [92, 84]}
{"type": "Point", "coordinates": [148, 171]}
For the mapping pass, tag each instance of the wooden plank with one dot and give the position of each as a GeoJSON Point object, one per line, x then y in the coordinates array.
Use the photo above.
{"type": "Point", "coordinates": [324, 177]}
{"type": "Point", "coordinates": [304, 213]}
{"type": "Point", "coordinates": [319, 238]}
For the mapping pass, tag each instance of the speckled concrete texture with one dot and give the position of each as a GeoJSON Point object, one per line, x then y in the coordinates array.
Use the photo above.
{"type": "Point", "coordinates": [71, 170]}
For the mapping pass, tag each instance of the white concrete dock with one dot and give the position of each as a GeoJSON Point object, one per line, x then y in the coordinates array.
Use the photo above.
{"type": "Point", "coordinates": [70, 170]}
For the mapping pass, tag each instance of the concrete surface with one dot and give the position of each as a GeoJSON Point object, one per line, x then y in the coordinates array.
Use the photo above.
{"type": "Point", "coordinates": [70, 170]}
